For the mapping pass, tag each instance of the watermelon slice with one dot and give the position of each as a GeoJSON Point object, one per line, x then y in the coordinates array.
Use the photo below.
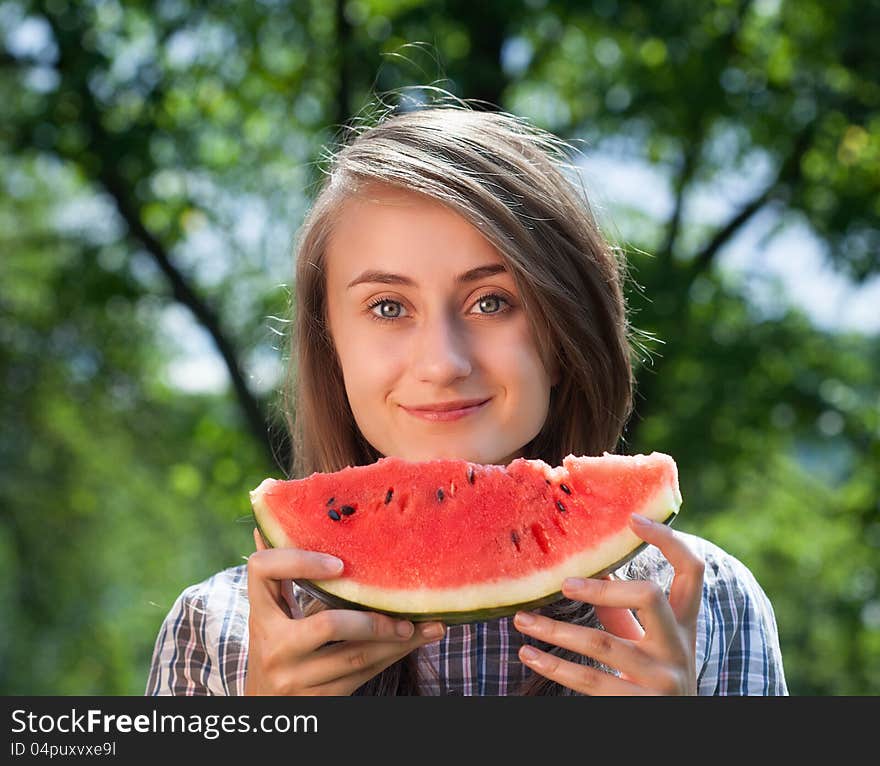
{"type": "Point", "coordinates": [463, 542]}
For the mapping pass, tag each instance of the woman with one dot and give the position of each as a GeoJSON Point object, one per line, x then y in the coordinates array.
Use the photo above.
{"type": "Point", "coordinates": [454, 298]}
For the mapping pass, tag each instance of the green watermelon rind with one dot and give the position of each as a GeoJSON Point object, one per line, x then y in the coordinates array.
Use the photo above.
{"type": "Point", "coordinates": [463, 617]}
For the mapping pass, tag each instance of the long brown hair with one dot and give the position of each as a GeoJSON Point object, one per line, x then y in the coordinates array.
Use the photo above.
{"type": "Point", "coordinates": [511, 180]}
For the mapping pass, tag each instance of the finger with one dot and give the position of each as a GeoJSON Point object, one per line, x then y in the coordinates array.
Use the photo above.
{"type": "Point", "coordinates": [352, 662]}
{"type": "Point", "coordinates": [687, 584]}
{"type": "Point", "coordinates": [348, 684]}
{"type": "Point", "coordinates": [647, 598]}
{"type": "Point", "coordinates": [345, 686]}
{"type": "Point", "coordinates": [334, 625]}
{"type": "Point", "coordinates": [620, 622]}
{"type": "Point", "coordinates": [580, 678]}
{"type": "Point", "coordinates": [608, 649]}
{"type": "Point", "coordinates": [267, 568]}
{"type": "Point", "coordinates": [357, 661]}
{"type": "Point", "coordinates": [294, 610]}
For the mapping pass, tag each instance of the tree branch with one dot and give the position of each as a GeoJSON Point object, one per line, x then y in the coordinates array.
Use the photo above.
{"type": "Point", "coordinates": [684, 178]}
{"type": "Point", "coordinates": [789, 172]}
{"type": "Point", "coordinates": [185, 294]}
{"type": "Point", "coordinates": [119, 191]}
{"type": "Point", "coordinates": [726, 45]}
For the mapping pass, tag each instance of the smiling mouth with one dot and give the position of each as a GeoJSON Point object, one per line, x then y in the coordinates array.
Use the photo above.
{"type": "Point", "coordinates": [447, 411]}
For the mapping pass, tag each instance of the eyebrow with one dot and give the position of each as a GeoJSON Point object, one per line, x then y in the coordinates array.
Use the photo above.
{"type": "Point", "coordinates": [387, 278]}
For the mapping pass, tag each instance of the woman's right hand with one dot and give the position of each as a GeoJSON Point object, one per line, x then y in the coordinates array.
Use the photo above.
{"type": "Point", "coordinates": [289, 656]}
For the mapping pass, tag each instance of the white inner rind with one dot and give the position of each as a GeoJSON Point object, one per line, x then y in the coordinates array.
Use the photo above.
{"type": "Point", "coordinates": [486, 595]}
{"type": "Point", "coordinates": [271, 529]}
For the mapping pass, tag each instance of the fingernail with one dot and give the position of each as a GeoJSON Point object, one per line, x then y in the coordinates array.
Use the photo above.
{"type": "Point", "coordinates": [574, 583]}
{"type": "Point", "coordinates": [524, 618]}
{"type": "Point", "coordinates": [331, 563]}
{"type": "Point", "coordinates": [404, 629]}
{"type": "Point", "coordinates": [529, 654]}
{"type": "Point", "coordinates": [431, 630]}
{"type": "Point", "coordinates": [641, 521]}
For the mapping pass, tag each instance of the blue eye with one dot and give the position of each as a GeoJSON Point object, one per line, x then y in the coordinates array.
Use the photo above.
{"type": "Point", "coordinates": [388, 309]}
{"type": "Point", "coordinates": [491, 303]}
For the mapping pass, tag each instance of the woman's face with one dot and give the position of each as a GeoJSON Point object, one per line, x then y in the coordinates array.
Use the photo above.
{"type": "Point", "coordinates": [436, 351]}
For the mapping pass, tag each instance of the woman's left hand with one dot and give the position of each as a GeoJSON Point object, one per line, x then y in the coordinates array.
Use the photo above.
{"type": "Point", "coordinates": [656, 657]}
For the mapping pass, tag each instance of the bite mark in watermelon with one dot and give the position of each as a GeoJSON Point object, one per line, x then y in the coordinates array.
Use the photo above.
{"type": "Point", "coordinates": [463, 542]}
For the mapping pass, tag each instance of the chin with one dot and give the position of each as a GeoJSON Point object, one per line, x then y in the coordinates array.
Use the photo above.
{"type": "Point", "coordinates": [424, 453]}
{"type": "Point", "coordinates": [480, 455]}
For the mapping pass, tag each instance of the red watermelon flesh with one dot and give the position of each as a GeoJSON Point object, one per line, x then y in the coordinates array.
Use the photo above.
{"type": "Point", "coordinates": [460, 541]}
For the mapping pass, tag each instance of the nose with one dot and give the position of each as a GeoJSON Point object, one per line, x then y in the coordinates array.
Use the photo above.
{"type": "Point", "coordinates": [440, 353]}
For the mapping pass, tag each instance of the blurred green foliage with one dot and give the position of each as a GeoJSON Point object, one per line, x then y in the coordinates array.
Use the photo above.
{"type": "Point", "coordinates": [157, 156]}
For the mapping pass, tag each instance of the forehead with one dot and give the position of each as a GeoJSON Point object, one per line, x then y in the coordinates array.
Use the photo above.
{"type": "Point", "coordinates": [396, 230]}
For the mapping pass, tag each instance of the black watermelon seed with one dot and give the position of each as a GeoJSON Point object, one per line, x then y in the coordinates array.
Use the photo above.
{"type": "Point", "coordinates": [514, 538]}
{"type": "Point", "coordinates": [560, 506]}
{"type": "Point", "coordinates": [388, 495]}
{"type": "Point", "coordinates": [347, 510]}
{"type": "Point", "coordinates": [440, 495]}
{"type": "Point", "coordinates": [471, 474]}
{"type": "Point", "coordinates": [331, 501]}
{"type": "Point", "coordinates": [547, 480]}
{"type": "Point", "coordinates": [565, 489]}
{"type": "Point", "coordinates": [333, 515]}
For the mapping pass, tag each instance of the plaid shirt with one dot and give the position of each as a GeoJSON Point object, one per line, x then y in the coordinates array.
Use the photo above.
{"type": "Point", "coordinates": [202, 646]}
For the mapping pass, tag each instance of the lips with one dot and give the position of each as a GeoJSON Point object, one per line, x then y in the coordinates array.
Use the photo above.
{"type": "Point", "coordinates": [459, 404]}
{"type": "Point", "coordinates": [446, 411]}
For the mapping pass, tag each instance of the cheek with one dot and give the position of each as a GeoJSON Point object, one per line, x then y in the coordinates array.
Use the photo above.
{"type": "Point", "coordinates": [522, 373]}
{"type": "Point", "coordinates": [527, 360]}
{"type": "Point", "coordinates": [367, 369]}
{"type": "Point", "coordinates": [530, 380]}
